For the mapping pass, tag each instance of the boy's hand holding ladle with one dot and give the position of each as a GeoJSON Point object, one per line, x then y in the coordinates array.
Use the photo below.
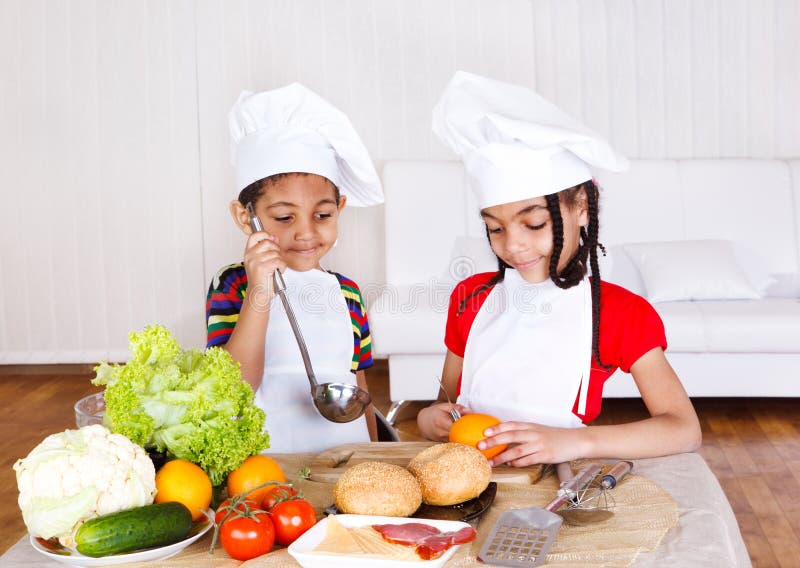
{"type": "Point", "coordinates": [262, 257]}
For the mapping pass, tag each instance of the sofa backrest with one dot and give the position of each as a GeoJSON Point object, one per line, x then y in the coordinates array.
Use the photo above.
{"type": "Point", "coordinates": [751, 203]}
{"type": "Point", "coordinates": [429, 209]}
{"type": "Point", "coordinates": [433, 228]}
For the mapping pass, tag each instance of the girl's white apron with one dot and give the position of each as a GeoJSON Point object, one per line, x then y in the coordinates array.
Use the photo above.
{"type": "Point", "coordinates": [528, 354]}
{"type": "Point", "coordinates": [293, 423]}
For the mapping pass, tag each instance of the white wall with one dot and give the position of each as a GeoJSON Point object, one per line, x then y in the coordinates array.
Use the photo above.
{"type": "Point", "coordinates": [100, 229]}
{"type": "Point", "coordinates": [114, 172]}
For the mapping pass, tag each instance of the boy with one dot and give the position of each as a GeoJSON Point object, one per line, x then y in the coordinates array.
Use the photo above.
{"type": "Point", "coordinates": [298, 162]}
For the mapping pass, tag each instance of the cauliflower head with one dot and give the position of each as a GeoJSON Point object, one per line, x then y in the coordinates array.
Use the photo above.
{"type": "Point", "coordinates": [76, 475]}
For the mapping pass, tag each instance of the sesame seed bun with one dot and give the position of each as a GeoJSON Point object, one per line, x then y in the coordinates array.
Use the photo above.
{"type": "Point", "coordinates": [450, 473]}
{"type": "Point", "coordinates": [377, 488]}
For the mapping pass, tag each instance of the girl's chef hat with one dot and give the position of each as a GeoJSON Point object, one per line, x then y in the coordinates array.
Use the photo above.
{"type": "Point", "coordinates": [515, 144]}
{"type": "Point", "coordinates": [292, 129]}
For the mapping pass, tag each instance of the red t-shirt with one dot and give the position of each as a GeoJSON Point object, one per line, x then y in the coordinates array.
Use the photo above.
{"type": "Point", "coordinates": [629, 328]}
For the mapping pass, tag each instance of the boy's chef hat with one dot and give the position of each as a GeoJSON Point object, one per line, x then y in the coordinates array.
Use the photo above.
{"type": "Point", "coordinates": [515, 144]}
{"type": "Point", "coordinates": [292, 129]}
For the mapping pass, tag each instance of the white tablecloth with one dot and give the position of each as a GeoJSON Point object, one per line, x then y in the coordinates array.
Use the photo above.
{"type": "Point", "coordinates": [707, 534]}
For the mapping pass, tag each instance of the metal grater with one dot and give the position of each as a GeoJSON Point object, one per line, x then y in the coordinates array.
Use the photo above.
{"type": "Point", "coordinates": [522, 537]}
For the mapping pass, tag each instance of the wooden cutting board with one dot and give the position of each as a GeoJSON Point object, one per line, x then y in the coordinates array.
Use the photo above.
{"type": "Point", "coordinates": [329, 465]}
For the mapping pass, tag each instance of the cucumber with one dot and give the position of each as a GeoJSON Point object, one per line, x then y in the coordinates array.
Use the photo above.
{"type": "Point", "coordinates": [132, 529]}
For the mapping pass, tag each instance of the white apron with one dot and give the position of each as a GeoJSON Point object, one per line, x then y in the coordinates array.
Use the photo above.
{"type": "Point", "coordinates": [293, 423]}
{"type": "Point", "coordinates": [528, 354]}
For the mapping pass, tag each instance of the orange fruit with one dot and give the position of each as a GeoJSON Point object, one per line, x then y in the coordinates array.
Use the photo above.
{"type": "Point", "coordinates": [468, 430]}
{"type": "Point", "coordinates": [184, 482]}
{"type": "Point", "coordinates": [254, 471]}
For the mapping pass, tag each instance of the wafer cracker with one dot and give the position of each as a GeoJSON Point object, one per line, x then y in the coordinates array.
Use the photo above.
{"type": "Point", "coordinates": [361, 541]}
{"type": "Point", "coordinates": [373, 544]}
{"type": "Point", "coordinates": [338, 540]}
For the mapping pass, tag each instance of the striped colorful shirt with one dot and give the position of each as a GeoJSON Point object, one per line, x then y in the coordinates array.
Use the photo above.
{"type": "Point", "coordinates": [227, 292]}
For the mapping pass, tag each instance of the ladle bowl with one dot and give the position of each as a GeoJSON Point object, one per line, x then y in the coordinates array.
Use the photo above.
{"type": "Point", "coordinates": [340, 402]}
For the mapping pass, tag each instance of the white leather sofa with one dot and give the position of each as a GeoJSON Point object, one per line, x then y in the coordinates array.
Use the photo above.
{"type": "Point", "coordinates": [726, 231]}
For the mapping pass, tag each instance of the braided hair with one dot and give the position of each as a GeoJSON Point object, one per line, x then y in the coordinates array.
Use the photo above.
{"type": "Point", "coordinates": [576, 267]}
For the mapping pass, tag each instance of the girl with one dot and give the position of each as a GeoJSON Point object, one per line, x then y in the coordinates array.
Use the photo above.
{"type": "Point", "coordinates": [298, 162]}
{"type": "Point", "coordinates": [533, 343]}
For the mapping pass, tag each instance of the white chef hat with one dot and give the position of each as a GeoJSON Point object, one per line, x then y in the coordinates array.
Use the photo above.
{"type": "Point", "coordinates": [292, 129]}
{"type": "Point", "coordinates": [515, 144]}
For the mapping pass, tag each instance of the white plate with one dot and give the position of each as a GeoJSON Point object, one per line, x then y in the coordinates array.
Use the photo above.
{"type": "Point", "coordinates": [301, 549]}
{"type": "Point", "coordinates": [75, 558]}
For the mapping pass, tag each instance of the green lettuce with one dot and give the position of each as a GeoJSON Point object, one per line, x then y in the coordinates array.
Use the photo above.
{"type": "Point", "coordinates": [191, 404]}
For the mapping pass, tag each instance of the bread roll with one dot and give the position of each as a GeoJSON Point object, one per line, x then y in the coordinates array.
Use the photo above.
{"type": "Point", "coordinates": [377, 488]}
{"type": "Point", "coordinates": [450, 473]}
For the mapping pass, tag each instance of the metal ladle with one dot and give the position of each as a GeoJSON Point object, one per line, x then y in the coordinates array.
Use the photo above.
{"type": "Point", "coordinates": [337, 402]}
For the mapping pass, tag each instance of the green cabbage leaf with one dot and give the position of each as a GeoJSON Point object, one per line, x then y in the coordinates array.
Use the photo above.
{"type": "Point", "coordinates": [193, 405]}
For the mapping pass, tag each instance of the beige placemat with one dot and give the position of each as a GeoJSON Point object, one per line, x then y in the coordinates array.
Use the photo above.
{"type": "Point", "coordinates": [643, 513]}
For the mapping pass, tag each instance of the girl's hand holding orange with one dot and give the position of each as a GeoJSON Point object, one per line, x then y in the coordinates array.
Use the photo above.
{"type": "Point", "coordinates": [470, 430]}
{"type": "Point", "coordinates": [435, 422]}
{"type": "Point", "coordinates": [533, 443]}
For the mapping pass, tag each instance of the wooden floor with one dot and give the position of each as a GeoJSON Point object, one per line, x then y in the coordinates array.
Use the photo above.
{"type": "Point", "coordinates": [752, 445]}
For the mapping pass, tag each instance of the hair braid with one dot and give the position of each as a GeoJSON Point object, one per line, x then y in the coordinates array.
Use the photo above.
{"type": "Point", "coordinates": [554, 207]}
{"type": "Point", "coordinates": [590, 238]}
{"type": "Point", "coordinates": [575, 269]}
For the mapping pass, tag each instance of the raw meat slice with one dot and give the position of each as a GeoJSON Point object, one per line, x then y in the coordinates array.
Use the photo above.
{"type": "Point", "coordinates": [408, 533]}
{"type": "Point", "coordinates": [429, 542]}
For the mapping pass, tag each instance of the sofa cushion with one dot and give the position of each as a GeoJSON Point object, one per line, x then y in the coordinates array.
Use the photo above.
{"type": "Point", "coordinates": [683, 323]}
{"type": "Point", "coordinates": [771, 325]}
{"type": "Point", "coordinates": [469, 256]}
{"type": "Point", "coordinates": [410, 319]}
{"type": "Point", "coordinates": [691, 270]}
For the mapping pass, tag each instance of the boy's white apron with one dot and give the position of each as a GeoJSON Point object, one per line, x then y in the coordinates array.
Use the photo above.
{"type": "Point", "coordinates": [292, 420]}
{"type": "Point", "coordinates": [527, 352]}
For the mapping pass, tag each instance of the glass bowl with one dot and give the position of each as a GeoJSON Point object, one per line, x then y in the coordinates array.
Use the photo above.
{"type": "Point", "coordinates": [90, 409]}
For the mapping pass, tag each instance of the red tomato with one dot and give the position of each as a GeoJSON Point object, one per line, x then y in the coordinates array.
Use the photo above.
{"type": "Point", "coordinates": [291, 519]}
{"type": "Point", "coordinates": [276, 494]}
{"type": "Point", "coordinates": [223, 510]}
{"type": "Point", "coordinates": [244, 538]}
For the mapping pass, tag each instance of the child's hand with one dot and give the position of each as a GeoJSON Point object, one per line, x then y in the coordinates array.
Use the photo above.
{"type": "Point", "coordinates": [533, 443]}
{"type": "Point", "coordinates": [262, 256]}
{"type": "Point", "coordinates": [434, 421]}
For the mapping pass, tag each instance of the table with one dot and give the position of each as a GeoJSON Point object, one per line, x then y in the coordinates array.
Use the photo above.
{"type": "Point", "coordinates": [707, 533]}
